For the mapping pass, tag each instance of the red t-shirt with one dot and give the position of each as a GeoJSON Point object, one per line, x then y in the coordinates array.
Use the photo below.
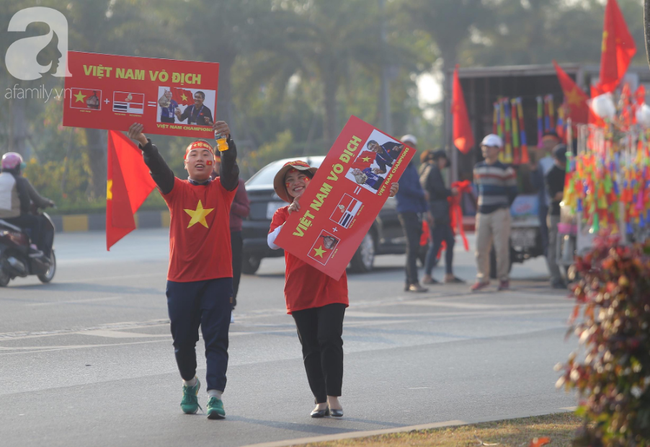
{"type": "Point", "coordinates": [306, 287]}
{"type": "Point", "coordinates": [199, 231]}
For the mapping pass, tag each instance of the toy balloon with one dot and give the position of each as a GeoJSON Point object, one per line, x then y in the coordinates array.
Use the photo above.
{"type": "Point", "coordinates": [603, 106]}
{"type": "Point", "coordinates": [643, 115]}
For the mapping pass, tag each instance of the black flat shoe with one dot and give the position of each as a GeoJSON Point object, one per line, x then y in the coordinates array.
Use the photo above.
{"type": "Point", "coordinates": [336, 413]}
{"type": "Point", "coordinates": [321, 413]}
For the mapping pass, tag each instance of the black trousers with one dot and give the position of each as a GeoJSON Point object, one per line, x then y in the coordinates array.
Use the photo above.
{"type": "Point", "coordinates": [320, 330]}
{"type": "Point", "coordinates": [205, 304]}
{"type": "Point", "coordinates": [412, 225]}
{"type": "Point", "coordinates": [237, 244]}
{"type": "Point", "coordinates": [32, 224]}
{"type": "Point", "coordinates": [441, 232]}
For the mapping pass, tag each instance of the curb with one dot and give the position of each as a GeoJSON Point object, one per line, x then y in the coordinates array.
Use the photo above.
{"type": "Point", "coordinates": [97, 222]}
{"type": "Point", "coordinates": [357, 434]}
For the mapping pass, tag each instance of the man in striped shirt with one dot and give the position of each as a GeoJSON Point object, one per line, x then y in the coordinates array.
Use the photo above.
{"type": "Point", "coordinates": [497, 189]}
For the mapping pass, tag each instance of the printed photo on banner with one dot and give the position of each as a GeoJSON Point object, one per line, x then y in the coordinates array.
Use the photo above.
{"type": "Point", "coordinates": [128, 102]}
{"type": "Point", "coordinates": [323, 248]}
{"type": "Point", "coordinates": [374, 161]}
{"type": "Point", "coordinates": [185, 105]}
{"type": "Point", "coordinates": [86, 98]}
{"type": "Point", "coordinates": [346, 211]}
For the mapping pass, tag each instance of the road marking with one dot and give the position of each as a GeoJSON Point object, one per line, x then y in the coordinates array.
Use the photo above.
{"type": "Point", "coordinates": [109, 278]}
{"type": "Point", "coordinates": [123, 334]}
{"type": "Point", "coordinates": [89, 300]}
{"type": "Point", "coordinates": [357, 434]}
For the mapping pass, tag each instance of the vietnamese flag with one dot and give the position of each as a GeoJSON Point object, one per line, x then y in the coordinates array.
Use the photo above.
{"type": "Point", "coordinates": [182, 96]}
{"type": "Point", "coordinates": [593, 118]}
{"type": "Point", "coordinates": [463, 136]}
{"type": "Point", "coordinates": [576, 98]}
{"type": "Point", "coordinates": [128, 185]}
{"type": "Point", "coordinates": [618, 48]}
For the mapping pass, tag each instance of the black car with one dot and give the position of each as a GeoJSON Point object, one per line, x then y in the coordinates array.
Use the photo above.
{"type": "Point", "coordinates": [385, 235]}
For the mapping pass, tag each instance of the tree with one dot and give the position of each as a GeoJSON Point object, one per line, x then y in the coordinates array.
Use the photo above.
{"type": "Point", "coordinates": [221, 32]}
{"type": "Point", "coordinates": [326, 38]}
{"type": "Point", "coordinates": [113, 27]}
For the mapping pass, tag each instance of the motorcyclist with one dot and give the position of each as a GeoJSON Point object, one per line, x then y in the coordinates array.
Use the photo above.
{"type": "Point", "coordinates": [16, 197]}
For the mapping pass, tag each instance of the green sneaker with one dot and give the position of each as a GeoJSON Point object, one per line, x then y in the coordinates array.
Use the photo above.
{"type": "Point", "coordinates": [190, 403]}
{"type": "Point", "coordinates": [215, 409]}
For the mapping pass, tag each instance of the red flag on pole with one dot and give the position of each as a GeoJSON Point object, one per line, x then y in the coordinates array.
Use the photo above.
{"type": "Point", "coordinates": [618, 48]}
{"type": "Point", "coordinates": [127, 187]}
{"type": "Point", "coordinates": [463, 136]}
{"type": "Point", "coordinates": [576, 98]}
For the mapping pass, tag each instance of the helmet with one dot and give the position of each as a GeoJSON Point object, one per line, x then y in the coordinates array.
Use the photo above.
{"type": "Point", "coordinates": [11, 160]}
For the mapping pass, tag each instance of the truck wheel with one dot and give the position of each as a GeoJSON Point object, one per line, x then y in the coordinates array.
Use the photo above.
{"type": "Point", "coordinates": [250, 264]}
{"type": "Point", "coordinates": [364, 258]}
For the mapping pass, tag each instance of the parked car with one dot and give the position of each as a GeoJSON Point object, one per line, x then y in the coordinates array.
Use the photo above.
{"type": "Point", "coordinates": [385, 235]}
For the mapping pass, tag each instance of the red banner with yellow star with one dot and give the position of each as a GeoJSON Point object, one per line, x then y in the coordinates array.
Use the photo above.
{"type": "Point", "coordinates": [169, 97]}
{"type": "Point", "coordinates": [345, 196]}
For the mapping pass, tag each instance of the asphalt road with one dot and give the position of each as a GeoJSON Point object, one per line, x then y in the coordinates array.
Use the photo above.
{"type": "Point", "coordinates": [87, 360]}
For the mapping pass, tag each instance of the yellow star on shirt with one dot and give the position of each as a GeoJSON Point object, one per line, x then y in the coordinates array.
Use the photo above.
{"type": "Point", "coordinates": [79, 97]}
{"type": "Point", "coordinates": [319, 251]}
{"type": "Point", "coordinates": [198, 215]}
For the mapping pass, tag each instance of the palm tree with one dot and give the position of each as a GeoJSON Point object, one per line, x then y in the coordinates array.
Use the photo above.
{"type": "Point", "coordinates": [324, 38]}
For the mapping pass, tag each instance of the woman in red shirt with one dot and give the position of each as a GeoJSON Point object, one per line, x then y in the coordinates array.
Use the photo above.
{"type": "Point", "coordinates": [316, 301]}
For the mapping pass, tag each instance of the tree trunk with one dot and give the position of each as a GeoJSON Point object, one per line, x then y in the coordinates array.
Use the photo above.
{"type": "Point", "coordinates": [330, 87]}
{"type": "Point", "coordinates": [18, 127]}
{"type": "Point", "coordinates": [224, 110]}
{"type": "Point", "coordinates": [448, 63]}
{"type": "Point", "coordinates": [95, 150]}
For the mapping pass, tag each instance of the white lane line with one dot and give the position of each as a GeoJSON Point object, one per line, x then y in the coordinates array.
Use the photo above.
{"type": "Point", "coordinates": [88, 300]}
{"type": "Point", "coordinates": [110, 278]}
{"type": "Point", "coordinates": [122, 334]}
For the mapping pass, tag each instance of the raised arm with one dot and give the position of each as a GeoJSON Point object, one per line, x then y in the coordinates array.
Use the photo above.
{"type": "Point", "coordinates": [229, 173]}
{"type": "Point", "coordinates": [158, 168]}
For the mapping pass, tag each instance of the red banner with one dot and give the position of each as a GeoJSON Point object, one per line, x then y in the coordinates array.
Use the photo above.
{"type": "Point", "coordinates": [168, 97]}
{"type": "Point", "coordinates": [344, 197]}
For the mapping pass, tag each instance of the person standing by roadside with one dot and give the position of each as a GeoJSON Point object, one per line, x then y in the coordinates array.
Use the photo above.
{"type": "Point", "coordinates": [239, 210]}
{"type": "Point", "coordinates": [497, 189]}
{"type": "Point", "coordinates": [412, 208]}
{"type": "Point", "coordinates": [316, 301]}
{"type": "Point", "coordinates": [441, 230]}
{"type": "Point", "coordinates": [199, 279]}
{"type": "Point", "coordinates": [555, 188]}
{"type": "Point", "coordinates": [538, 172]}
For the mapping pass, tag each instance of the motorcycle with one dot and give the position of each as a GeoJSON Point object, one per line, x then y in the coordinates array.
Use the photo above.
{"type": "Point", "coordinates": [15, 259]}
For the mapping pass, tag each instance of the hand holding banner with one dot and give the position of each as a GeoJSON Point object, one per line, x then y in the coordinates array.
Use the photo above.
{"type": "Point", "coordinates": [344, 197]}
